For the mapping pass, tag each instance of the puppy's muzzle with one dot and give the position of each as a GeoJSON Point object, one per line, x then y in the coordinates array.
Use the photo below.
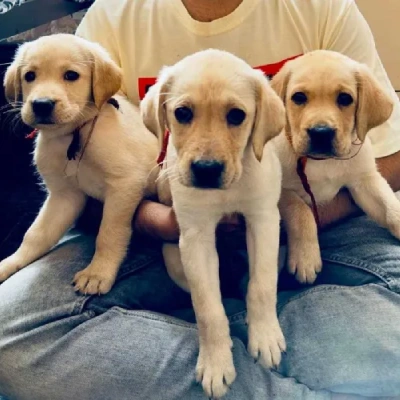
{"type": "Point", "coordinates": [43, 109]}
{"type": "Point", "coordinates": [321, 139]}
{"type": "Point", "coordinates": [207, 174]}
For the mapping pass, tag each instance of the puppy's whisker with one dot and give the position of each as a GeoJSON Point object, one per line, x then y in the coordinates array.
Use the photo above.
{"type": "Point", "coordinates": [170, 173]}
{"type": "Point", "coordinates": [178, 99]}
{"type": "Point", "coordinates": [163, 175]}
{"type": "Point", "coordinates": [15, 121]}
{"type": "Point", "coordinates": [168, 93]}
{"type": "Point", "coordinates": [11, 111]}
{"type": "Point", "coordinates": [11, 106]}
{"type": "Point", "coordinates": [151, 171]}
{"type": "Point", "coordinates": [84, 62]}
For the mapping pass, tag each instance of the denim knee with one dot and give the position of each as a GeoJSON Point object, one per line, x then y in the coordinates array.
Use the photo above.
{"type": "Point", "coordinates": [344, 339]}
{"type": "Point", "coordinates": [38, 305]}
{"type": "Point", "coordinates": [360, 252]}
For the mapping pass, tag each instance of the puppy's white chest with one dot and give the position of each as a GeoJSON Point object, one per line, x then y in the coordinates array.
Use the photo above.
{"type": "Point", "coordinates": [58, 172]}
{"type": "Point", "coordinates": [325, 181]}
{"type": "Point", "coordinates": [86, 177]}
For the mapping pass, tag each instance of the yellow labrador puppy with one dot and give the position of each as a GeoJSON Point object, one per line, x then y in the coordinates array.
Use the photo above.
{"type": "Point", "coordinates": [332, 102]}
{"type": "Point", "coordinates": [84, 147]}
{"type": "Point", "coordinates": [220, 114]}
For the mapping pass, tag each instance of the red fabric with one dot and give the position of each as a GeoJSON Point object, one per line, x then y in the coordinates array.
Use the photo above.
{"type": "Point", "coordinates": [269, 70]}
{"type": "Point", "coordinates": [272, 69]}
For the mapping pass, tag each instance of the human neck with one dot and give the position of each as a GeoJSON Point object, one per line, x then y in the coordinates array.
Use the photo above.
{"type": "Point", "coordinates": [209, 10]}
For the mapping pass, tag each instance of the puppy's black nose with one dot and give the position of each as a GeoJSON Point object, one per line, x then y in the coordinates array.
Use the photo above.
{"type": "Point", "coordinates": [207, 174]}
{"type": "Point", "coordinates": [43, 107]}
{"type": "Point", "coordinates": [321, 138]}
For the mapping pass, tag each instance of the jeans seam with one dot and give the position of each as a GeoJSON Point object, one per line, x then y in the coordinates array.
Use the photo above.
{"type": "Point", "coordinates": [137, 266]}
{"type": "Point", "coordinates": [362, 265]}
{"type": "Point", "coordinates": [83, 299]}
{"type": "Point", "coordinates": [321, 288]}
{"type": "Point", "coordinates": [154, 316]}
{"type": "Point", "coordinates": [239, 316]}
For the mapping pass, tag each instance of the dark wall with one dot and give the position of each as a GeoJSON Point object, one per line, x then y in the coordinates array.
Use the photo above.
{"type": "Point", "coordinates": [14, 148]}
{"type": "Point", "coordinates": [20, 196]}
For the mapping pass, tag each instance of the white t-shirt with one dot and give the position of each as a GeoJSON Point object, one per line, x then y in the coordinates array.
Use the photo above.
{"type": "Point", "coordinates": [144, 35]}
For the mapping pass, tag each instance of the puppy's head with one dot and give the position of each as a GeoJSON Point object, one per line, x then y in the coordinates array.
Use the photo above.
{"type": "Point", "coordinates": [330, 101]}
{"type": "Point", "coordinates": [214, 105]}
{"type": "Point", "coordinates": [60, 80]}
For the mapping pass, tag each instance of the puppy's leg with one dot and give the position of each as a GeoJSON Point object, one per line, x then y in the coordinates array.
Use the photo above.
{"type": "Point", "coordinates": [374, 195]}
{"type": "Point", "coordinates": [58, 213]}
{"type": "Point", "coordinates": [304, 253]}
{"type": "Point", "coordinates": [173, 263]}
{"type": "Point", "coordinates": [111, 243]}
{"type": "Point", "coordinates": [215, 369]}
{"type": "Point", "coordinates": [266, 341]}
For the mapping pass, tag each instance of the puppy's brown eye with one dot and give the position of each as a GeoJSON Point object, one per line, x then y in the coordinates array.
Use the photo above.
{"type": "Point", "coordinates": [71, 76]}
{"type": "Point", "coordinates": [184, 115]}
{"type": "Point", "coordinates": [299, 98]}
{"type": "Point", "coordinates": [235, 116]}
{"type": "Point", "coordinates": [344, 100]}
{"type": "Point", "coordinates": [30, 76]}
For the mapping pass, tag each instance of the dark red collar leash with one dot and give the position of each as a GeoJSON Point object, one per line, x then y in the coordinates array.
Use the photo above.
{"type": "Point", "coordinates": [301, 172]}
{"type": "Point", "coordinates": [163, 152]}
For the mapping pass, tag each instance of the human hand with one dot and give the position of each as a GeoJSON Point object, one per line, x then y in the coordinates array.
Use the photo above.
{"type": "Point", "coordinates": [159, 221]}
{"type": "Point", "coordinates": [156, 220]}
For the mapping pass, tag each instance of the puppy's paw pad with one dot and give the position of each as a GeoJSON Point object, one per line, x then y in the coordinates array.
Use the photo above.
{"type": "Point", "coordinates": [216, 372]}
{"type": "Point", "coordinates": [266, 344]}
{"type": "Point", "coordinates": [90, 281]}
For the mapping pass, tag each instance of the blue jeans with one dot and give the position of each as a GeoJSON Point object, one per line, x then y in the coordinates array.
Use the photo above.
{"type": "Point", "coordinates": [343, 334]}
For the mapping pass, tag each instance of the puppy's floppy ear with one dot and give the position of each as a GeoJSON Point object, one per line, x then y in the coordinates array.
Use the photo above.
{"type": "Point", "coordinates": [106, 75]}
{"type": "Point", "coordinates": [152, 107]}
{"type": "Point", "coordinates": [12, 78]}
{"type": "Point", "coordinates": [270, 115]}
{"type": "Point", "coordinates": [374, 105]}
{"type": "Point", "coordinates": [280, 81]}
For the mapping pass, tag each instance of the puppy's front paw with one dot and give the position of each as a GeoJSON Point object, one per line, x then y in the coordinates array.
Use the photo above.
{"type": "Point", "coordinates": [215, 369]}
{"type": "Point", "coordinates": [305, 261]}
{"type": "Point", "coordinates": [266, 342]}
{"type": "Point", "coordinates": [9, 266]}
{"type": "Point", "coordinates": [94, 279]}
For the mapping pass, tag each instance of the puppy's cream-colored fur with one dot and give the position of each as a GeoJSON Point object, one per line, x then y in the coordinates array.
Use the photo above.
{"type": "Point", "coordinates": [323, 76]}
{"type": "Point", "coordinates": [114, 168]}
{"type": "Point", "coordinates": [211, 83]}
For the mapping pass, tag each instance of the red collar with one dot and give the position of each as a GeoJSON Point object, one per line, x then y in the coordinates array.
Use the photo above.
{"type": "Point", "coordinates": [75, 145]}
{"type": "Point", "coordinates": [301, 172]}
{"type": "Point", "coordinates": [163, 152]}
{"type": "Point", "coordinates": [32, 135]}
{"type": "Point", "coordinates": [301, 168]}
{"type": "Point", "coordinates": [35, 132]}
{"type": "Point", "coordinates": [111, 101]}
